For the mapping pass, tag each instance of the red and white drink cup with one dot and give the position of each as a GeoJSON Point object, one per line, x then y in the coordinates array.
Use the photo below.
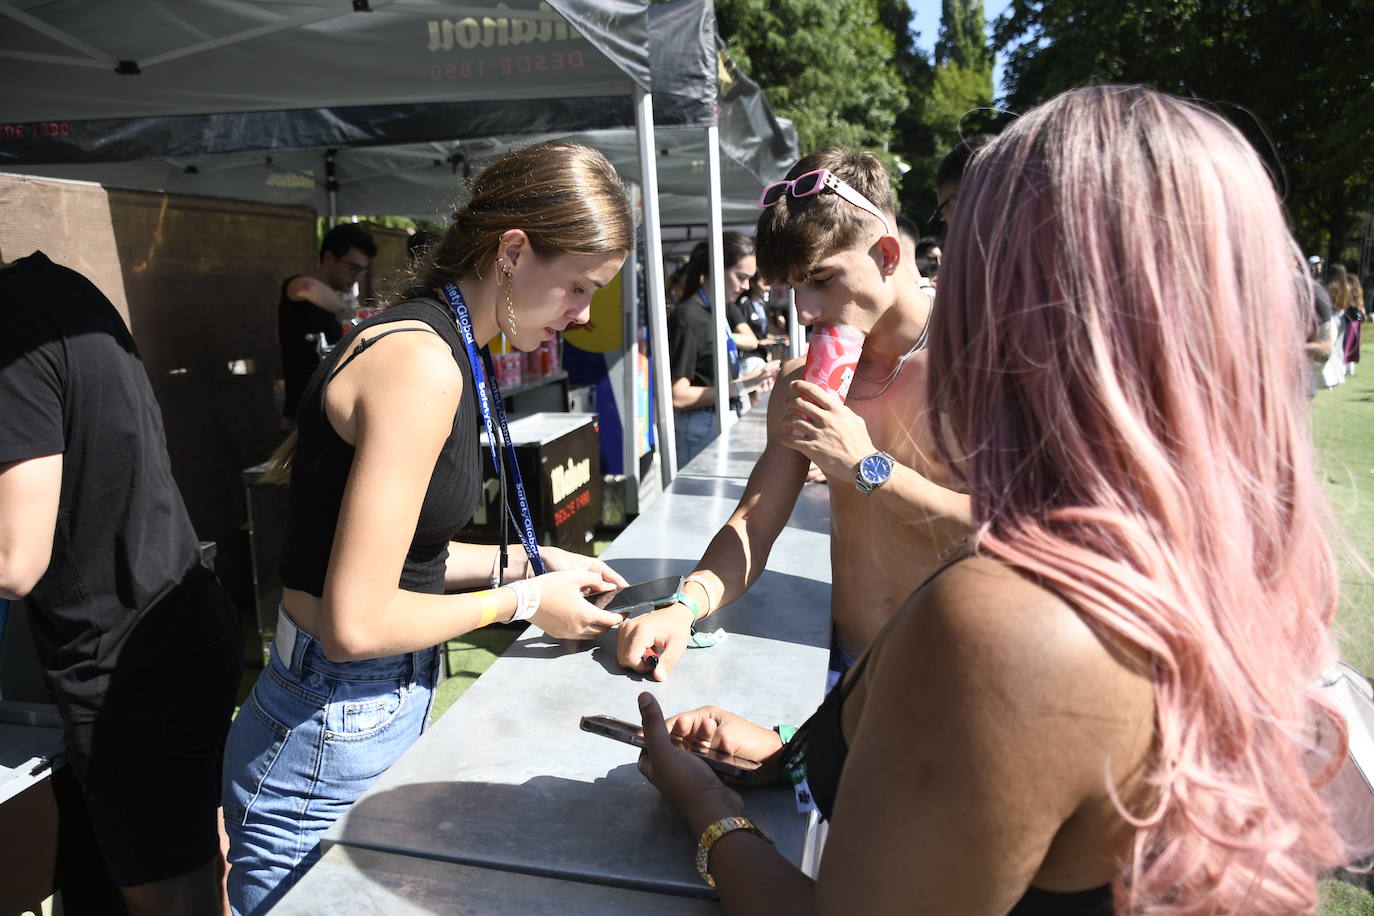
{"type": "Point", "coordinates": [833, 357]}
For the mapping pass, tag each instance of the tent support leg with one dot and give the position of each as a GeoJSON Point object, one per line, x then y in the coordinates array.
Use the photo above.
{"type": "Point", "coordinates": [715, 226]}
{"type": "Point", "coordinates": [653, 285]}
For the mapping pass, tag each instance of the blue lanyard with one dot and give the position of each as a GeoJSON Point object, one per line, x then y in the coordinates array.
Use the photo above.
{"type": "Point", "coordinates": [524, 525]}
{"type": "Point", "coordinates": [701, 293]}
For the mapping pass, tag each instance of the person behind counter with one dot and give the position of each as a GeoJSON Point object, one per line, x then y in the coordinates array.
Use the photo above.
{"type": "Point", "coordinates": [139, 643]}
{"type": "Point", "coordinates": [386, 470]}
{"type": "Point", "coordinates": [313, 305]}
{"type": "Point", "coordinates": [691, 341]}
{"type": "Point", "coordinates": [846, 266]}
{"type": "Point", "coordinates": [1111, 702]}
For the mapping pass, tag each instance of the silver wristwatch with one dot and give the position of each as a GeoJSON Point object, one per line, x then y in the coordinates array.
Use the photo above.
{"type": "Point", "coordinates": [874, 471]}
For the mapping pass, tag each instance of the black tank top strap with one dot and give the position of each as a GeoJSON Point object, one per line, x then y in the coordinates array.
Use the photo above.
{"type": "Point", "coordinates": [369, 341]}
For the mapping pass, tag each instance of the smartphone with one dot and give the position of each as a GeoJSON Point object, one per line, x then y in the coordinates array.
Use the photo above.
{"type": "Point", "coordinates": [629, 733]}
{"type": "Point", "coordinates": [654, 593]}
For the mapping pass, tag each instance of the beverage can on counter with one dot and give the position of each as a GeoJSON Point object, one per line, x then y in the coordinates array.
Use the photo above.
{"type": "Point", "coordinates": [833, 357]}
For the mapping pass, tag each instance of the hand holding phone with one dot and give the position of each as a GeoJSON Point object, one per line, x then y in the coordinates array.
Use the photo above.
{"type": "Point", "coordinates": [651, 594]}
{"type": "Point", "coordinates": [725, 764]}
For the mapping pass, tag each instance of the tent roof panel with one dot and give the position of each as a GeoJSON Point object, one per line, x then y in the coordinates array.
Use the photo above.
{"type": "Point", "coordinates": [207, 56]}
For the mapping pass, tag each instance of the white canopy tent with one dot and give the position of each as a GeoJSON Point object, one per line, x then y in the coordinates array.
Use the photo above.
{"type": "Point", "coordinates": [282, 99]}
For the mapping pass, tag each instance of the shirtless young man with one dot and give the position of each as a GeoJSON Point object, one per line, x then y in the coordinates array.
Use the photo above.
{"type": "Point", "coordinates": [847, 267]}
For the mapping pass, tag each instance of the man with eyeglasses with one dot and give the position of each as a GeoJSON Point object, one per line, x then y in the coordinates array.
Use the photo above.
{"type": "Point", "coordinates": [829, 231]}
{"type": "Point", "coordinates": [948, 177]}
{"type": "Point", "coordinates": [313, 305]}
{"type": "Point", "coordinates": [928, 258]}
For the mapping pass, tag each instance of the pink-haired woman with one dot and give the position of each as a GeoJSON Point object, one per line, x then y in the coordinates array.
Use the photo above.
{"type": "Point", "coordinates": [1107, 703]}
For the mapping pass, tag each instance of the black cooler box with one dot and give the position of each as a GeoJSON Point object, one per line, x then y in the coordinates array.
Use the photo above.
{"type": "Point", "coordinates": [560, 460]}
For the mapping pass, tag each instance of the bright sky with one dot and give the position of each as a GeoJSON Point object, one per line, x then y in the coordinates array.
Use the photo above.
{"type": "Point", "coordinates": [925, 19]}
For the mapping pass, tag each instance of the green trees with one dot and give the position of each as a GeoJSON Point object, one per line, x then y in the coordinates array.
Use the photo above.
{"type": "Point", "coordinates": [962, 39]}
{"type": "Point", "coordinates": [1296, 76]}
{"type": "Point", "coordinates": [848, 73]}
{"type": "Point", "coordinates": [829, 65]}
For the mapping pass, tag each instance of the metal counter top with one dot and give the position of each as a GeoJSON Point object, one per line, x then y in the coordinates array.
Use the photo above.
{"type": "Point", "coordinates": [507, 782]}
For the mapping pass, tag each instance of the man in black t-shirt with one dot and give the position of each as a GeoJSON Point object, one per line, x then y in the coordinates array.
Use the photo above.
{"type": "Point", "coordinates": [140, 643]}
{"type": "Point", "coordinates": [313, 304]}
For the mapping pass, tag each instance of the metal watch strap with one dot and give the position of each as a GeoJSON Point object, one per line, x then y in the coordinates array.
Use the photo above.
{"type": "Point", "coordinates": [862, 485]}
{"type": "Point", "coordinates": [711, 834]}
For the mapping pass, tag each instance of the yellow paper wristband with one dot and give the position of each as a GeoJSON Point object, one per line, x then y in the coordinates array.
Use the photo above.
{"type": "Point", "coordinates": [490, 607]}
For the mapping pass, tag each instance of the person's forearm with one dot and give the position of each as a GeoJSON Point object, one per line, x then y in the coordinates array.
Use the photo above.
{"type": "Point", "coordinates": [691, 397]}
{"type": "Point", "coordinates": [323, 298]}
{"type": "Point", "coordinates": [471, 565]}
{"type": "Point", "coordinates": [732, 563]}
{"type": "Point", "coordinates": [409, 622]}
{"type": "Point", "coordinates": [915, 498]}
{"type": "Point", "coordinates": [751, 876]}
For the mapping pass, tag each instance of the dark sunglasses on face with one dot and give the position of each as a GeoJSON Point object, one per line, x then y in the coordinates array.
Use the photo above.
{"type": "Point", "coordinates": [936, 223]}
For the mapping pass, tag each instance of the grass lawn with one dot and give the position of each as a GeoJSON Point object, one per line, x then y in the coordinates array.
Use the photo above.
{"type": "Point", "coordinates": [1343, 432]}
{"type": "Point", "coordinates": [468, 657]}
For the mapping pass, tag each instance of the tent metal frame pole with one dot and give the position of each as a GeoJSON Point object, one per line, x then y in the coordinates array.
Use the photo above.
{"type": "Point", "coordinates": [715, 228]}
{"type": "Point", "coordinates": [97, 57]}
{"type": "Point", "coordinates": [331, 184]}
{"type": "Point", "coordinates": [629, 360]}
{"type": "Point", "coordinates": [794, 331]}
{"type": "Point", "coordinates": [225, 41]}
{"type": "Point", "coordinates": [654, 287]}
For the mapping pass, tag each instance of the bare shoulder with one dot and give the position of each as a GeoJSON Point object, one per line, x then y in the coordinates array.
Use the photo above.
{"type": "Point", "coordinates": [1009, 647]}
{"type": "Point", "coordinates": [402, 382]}
{"type": "Point", "coordinates": [418, 358]}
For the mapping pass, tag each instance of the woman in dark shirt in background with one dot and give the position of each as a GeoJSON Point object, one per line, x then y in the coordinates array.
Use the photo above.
{"type": "Point", "coordinates": [1109, 701]}
{"type": "Point", "coordinates": [691, 340]}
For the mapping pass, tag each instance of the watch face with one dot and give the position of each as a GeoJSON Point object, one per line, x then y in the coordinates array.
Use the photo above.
{"type": "Point", "coordinates": [876, 468]}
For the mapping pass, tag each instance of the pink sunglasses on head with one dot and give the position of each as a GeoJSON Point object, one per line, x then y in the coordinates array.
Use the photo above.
{"type": "Point", "coordinates": [813, 183]}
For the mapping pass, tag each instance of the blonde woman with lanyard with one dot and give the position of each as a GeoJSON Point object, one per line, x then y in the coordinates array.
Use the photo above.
{"type": "Point", "coordinates": [387, 469]}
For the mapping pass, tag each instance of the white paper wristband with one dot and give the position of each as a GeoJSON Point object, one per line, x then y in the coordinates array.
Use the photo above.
{"type": "Point", "coordinates": [527, 598]}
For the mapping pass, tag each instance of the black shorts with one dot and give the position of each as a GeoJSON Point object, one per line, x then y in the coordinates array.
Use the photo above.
{"type": "Point", "coordinates": [149, 764]}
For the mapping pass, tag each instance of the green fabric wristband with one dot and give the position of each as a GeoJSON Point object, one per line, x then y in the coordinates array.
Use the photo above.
{"type": "Point", "coordinates": [684, 598]}
{"type": "Point", "coordinates": [695, 640]}
{"type": "Point", "coordinates": [785, 732]}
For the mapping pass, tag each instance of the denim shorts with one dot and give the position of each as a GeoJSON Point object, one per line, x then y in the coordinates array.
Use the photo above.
{"type": "Point", "coordinates": [693, 431]}
{"type": "Point", "coordinates": [840, 662]}
{"type": "Point", "coordinates": [311, 737]}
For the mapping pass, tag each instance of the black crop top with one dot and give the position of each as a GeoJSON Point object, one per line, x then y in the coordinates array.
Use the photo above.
{"type": "Point", "coordinates": [323, 461]}
{"type": "Point", "coordinates": [819, 745]}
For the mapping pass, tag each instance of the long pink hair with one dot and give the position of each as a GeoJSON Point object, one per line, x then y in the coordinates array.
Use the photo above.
{"type": "Point", "coordinates": [1117, 359]}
